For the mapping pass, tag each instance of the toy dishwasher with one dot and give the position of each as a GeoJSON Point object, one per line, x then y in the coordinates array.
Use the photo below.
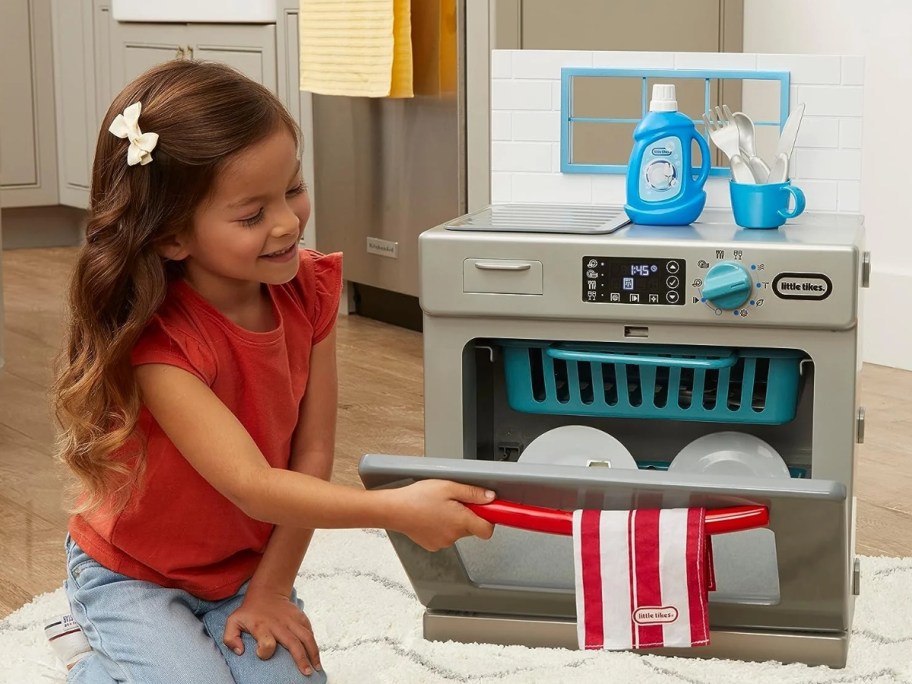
{"type": "Point", "coordinates": [666, 341]}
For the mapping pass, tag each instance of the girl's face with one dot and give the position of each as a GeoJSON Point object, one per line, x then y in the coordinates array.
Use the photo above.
{"type": "Point", "coordinates": [247, 232]}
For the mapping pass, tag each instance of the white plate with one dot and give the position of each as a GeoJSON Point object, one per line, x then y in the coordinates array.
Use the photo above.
{"type": "Point", "coordinates": [730, 453]}
{"type": "Point", "coordinates": [577, 445]}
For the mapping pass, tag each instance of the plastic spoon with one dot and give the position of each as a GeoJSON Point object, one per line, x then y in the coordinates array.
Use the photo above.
{"type": "Point", "coordinates": [746, 140]}
{"type": "Point", "coordinates": [741, 172]}
{"type": "Point", "coordinates": [779, 172]}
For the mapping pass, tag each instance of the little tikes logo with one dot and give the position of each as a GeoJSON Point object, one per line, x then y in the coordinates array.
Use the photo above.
{"type": "Point", "coordinates": [655, 615]}
{"type": "Point", "coordinates": [661, 152]}
{"type": "Point", "coordinates": [807, 286]}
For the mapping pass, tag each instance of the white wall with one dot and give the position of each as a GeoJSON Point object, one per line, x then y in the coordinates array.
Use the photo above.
{"type": "Point", "coordinates": [881, 31]}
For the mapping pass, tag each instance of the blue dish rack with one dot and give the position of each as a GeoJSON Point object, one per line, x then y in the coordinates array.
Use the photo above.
{"type": "Point", "coordinates": [673, 382]}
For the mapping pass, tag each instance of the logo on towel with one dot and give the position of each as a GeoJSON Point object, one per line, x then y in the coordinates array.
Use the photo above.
{"type": "Point", "coordinates": [655, 615]}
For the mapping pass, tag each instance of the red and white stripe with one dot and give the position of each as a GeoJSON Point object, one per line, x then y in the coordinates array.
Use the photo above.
{"type": "Point", "coordinates": [641, 579]}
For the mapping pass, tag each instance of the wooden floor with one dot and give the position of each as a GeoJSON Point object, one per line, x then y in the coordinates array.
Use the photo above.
{"type": "Point", "coordinates": [380, 411]}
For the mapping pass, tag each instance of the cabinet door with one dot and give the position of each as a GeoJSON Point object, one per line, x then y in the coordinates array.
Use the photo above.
{"type": "Point", "coordinates": [28, 170]}
{"type": "Point", "coordinates": [103, 23]}
{"type": "Point", "coordinates": [74, 85]}
{"type": "Point", "coordinates": [298, 102]}
{"type": "Point", "coordinates": [138, 47]}
{"type": "Point", "coordinates": [249, 48]}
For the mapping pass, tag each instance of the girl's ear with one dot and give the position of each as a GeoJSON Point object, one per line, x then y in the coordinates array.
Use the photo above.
{"type": "Point", "coordinates": [174, 248]}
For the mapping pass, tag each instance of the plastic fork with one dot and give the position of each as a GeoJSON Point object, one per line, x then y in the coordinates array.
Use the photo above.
{"type": "Point", "coordinates": [726, 137]}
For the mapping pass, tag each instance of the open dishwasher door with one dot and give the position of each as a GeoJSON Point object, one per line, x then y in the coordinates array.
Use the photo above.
{"type": "Point", "coordinates": [806, 621]}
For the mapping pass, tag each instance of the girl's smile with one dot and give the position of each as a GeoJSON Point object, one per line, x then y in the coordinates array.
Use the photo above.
{"type": "Point", "coordinates": [282, 255]}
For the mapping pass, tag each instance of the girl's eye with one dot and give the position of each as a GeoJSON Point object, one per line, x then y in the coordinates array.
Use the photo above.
{"type": "Point", "coordinates": [253, 220]}
{"type": "Point", "coordinates": [298, 189]}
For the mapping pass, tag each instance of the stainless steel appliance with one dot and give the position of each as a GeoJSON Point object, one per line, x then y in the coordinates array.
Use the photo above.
{"type": "Point", "coordinates": [656, 336]}
{"type": "Point", "coordinates": [387, 169]}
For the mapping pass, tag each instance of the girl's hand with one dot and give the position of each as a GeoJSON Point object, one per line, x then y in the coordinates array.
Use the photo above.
{"type": "Point", "coordinates": [270, 617]}
{"type": "Point", "coordinates": [430, 512]}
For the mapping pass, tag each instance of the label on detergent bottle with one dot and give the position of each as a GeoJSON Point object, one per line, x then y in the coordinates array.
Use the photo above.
{"type": "Point", "coordinates": [660, 171]}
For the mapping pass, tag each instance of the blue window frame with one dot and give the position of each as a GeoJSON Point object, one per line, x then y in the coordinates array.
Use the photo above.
{"type": "Point", "coordinates": [568, 119]}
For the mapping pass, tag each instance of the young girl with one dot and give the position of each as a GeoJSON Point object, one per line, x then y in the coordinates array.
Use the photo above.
{"type": "Point", "coordinates": [197, 395]}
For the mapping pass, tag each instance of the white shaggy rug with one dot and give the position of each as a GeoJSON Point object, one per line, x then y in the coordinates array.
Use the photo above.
{"type": "Point", "coordinates": [368, 625]}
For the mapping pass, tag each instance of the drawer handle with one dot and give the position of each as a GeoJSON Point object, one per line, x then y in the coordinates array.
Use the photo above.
{"type": "Point", "coordinates": [556, 521]}
{"type": "Point", "coordinates": [641, 359]}
{"type": "Point", "coordinates": [502, 266]}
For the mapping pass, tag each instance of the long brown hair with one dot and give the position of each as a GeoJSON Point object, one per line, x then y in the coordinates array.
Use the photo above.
{"type": "Point", "coordinates": [204, 113]}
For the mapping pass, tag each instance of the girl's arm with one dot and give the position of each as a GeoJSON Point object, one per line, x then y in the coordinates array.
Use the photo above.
{"type": "Point", "coordinates": [216, 444]}
{"type": "Point", "coordinates": [266, 612]}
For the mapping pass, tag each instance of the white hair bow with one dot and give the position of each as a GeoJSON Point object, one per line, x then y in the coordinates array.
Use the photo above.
{"type": "Point", "coordinates": [126, 125]}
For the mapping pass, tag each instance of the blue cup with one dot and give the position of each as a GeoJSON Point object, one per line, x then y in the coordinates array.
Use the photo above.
{"type": "Point", "coordinates": [765, 206]}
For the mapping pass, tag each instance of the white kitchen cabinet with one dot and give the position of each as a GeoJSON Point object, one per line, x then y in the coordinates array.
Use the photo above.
{"type": "Point", "coordinates": [79, 25]}
{"type": "Point", "coordinates": [298, 102]}
{"type": "Point", "coordinates": [135, 47]}
{"type": "Point", "coordinates": [28, 170]}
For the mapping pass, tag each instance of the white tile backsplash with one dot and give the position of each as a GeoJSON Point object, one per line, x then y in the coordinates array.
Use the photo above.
{"type": "Point", "coordinates": [515, 94]}
{"type": "Point", "coordinates": [608, 188]}
{"type": "Point", "coordinates": [717, 192]}
{"type": "Point", "coordinates": [827, 164]}
{"type": "Point", "coordinates": [547, 188]}
{"type": "Point", "coordinates": [818, 131]}
{"type": "Point", "coordinates": [804, 69]}
{"type": "Point", "coordinates": [546, 63]}
{"type": "Point", "coordinates": [501, 187]}
{"type": "Point", "coordinates": [832, 100]}
{"type": "Point", "coordinates": [521, 156]}
{"type": "Point", "coordinates": [850, 133]}
{"type": "Point", "coordinates": [849, 196]}
{"type": "Point", "coordinates": [715, 60]}
{"type": "Point", "coordinates": [501, 125]}
{"type": "Point", "coordinates": [632, 60]}
{"type": "Point", "coordinates": [501, 64]}
{"type": "Point", "coordinates": [525, 124]}
{"type": "Point", "coordinates": [543, 125]}
{"type": "Point", "coordinates": [821, 195]}
{"type": "Point", "coordinates": [556, 96]}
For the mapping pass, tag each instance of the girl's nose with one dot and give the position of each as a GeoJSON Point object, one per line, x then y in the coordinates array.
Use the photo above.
{"type": "Point", "coordinates": [286, 223]}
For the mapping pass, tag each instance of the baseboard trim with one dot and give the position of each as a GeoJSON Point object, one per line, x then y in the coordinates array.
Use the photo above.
{"type": "Point", "coordinates": [887, 326]}
{"type": "Point", "coordinates": [29, 227]}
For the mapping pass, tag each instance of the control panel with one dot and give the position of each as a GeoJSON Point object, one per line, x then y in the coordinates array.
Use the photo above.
{"type": "Point", "coordinates": [728, 281]}
{"type": "Point", "coordinates": [634, 280]}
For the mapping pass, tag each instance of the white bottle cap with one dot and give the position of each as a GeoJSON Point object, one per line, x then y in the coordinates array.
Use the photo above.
{"type": "Point", "coordinates": [663, 98]}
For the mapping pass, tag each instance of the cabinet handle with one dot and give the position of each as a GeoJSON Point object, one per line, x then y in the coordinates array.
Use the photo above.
{"type": "Point", "coordinates": [189, 53]}
{"type": "Point", "coordinates": [179, 54]}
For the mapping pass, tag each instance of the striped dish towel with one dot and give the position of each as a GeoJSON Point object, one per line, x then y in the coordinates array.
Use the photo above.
{"type": "Point", "coordinates": [641, 578]}
{"type": "Point", "coordinates": [357, 48]}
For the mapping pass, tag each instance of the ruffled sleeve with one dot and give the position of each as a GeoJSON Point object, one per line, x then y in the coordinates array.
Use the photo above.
{"type": "Point", "coordinates": [166, 344]}
{"type": "Point", "coordinates": [327, 272]}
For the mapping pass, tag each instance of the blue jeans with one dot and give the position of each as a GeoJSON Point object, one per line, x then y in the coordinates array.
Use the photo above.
{"type": "Point", "coordinates": [144, 633]}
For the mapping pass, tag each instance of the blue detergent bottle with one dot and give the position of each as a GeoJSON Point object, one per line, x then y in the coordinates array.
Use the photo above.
{"type": "Point", "coordinates": [661, 187]}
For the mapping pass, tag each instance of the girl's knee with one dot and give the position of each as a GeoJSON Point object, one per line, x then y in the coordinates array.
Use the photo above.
{"type": "Point", "coordinates": [279, 669]}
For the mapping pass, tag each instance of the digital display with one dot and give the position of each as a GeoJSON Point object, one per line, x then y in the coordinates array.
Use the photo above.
{"type": "Point", "coordinates": [633, 280]}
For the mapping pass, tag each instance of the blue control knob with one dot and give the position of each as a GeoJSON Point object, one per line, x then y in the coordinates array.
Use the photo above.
{"type": "Point", "coordinates": [727, 285]}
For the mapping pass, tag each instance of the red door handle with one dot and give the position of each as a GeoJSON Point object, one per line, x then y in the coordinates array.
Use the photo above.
{"type": "Point", "coordinates": [557, 521]}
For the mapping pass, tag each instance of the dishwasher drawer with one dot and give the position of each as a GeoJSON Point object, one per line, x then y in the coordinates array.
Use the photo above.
{"type": "Point", "coordinates": [807, 517]}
